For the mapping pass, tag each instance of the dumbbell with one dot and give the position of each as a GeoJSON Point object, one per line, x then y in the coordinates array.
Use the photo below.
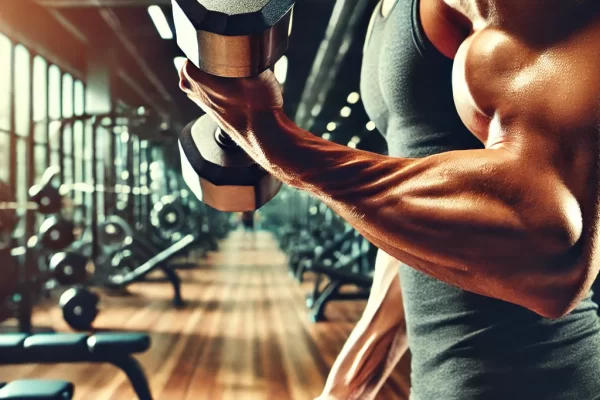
{"type": "Point", "coordinates": [229, 39]}
{"type": "Point", "coordinates": [79, 306]}
{"type": "Point", "coordinates": [43, 197]}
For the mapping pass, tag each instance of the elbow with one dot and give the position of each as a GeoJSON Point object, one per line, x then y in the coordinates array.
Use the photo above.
{"type": "Point", "coordinates": [568, 280]}
{"type": "Point", "coordinates": [560, 308]}
{"type": "Point", "coordinates": [568, 275]}
{"type": "Point", "coordinates": [559, 227]}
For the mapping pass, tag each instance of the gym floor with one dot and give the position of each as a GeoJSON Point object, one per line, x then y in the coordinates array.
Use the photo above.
{"type": "Point", "coordinates": [243, 335]}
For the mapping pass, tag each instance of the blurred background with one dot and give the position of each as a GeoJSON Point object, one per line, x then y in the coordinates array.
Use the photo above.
{"type": "Point", "coordinates": [54, 56]}
{"type": "Point", "coordinates": [117, 283]}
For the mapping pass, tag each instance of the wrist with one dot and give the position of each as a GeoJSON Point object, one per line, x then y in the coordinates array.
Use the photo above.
{"type": "Point", "coordinates": [272, 140]}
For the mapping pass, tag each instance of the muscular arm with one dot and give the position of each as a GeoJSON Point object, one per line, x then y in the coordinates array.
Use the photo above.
{"type": "Point", "coordinates": [469, 218]}
{"type": "Point", "coordinates": [515, 221]}
{"type": "Point", "coordinates": [377, 342]}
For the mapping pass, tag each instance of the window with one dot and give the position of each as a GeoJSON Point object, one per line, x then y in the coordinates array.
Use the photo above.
{"type": "Point", "coordinates": [79, 101]}
{"type": "Point", "coordinates": [78, 138]}
{"type": "Point", "coordinates": [5, 75]}
{"type": "Point", "coordinates": [67, 135]}
{"type": "Point", "coordinates": [4, 160]}
{"type": "Point", "coordinates": [54, 104]}
{"type": "Point", "coordinates": [54, 85]}
{"type": "Point", "coordinates": [22, 88]}
{"type": "Point", "coordinates": [21, 192]}
{"type": "Point", "coordinates": [87, 169]}
{"type": "Point", "coordinates": [41, 162]}
{"type": "Point", "coordinates": [67, 96]}
{"type": "Point", "coordinates": [68, 174]}
{"type": "Point", "coordinates": [40, 99]}
{"type": "Point", "coordinates": [78, 158]}
{"type": "Point", "coordinates": [101, 144]}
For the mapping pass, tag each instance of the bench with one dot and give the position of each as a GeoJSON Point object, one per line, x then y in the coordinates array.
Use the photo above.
{"type": "Point", "coordinates": [36, 389]}
{"type": "Point", "coordinates": [157, 261]}
{"type": "Point", "coordinates": [50, 348]}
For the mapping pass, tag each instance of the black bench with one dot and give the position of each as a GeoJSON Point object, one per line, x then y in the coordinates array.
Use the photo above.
{"type": "Point", "coordinates": [157, 261]}
{"type": "Point", "coordinates": [355, 270]}
{"type": "Point", "coordinates": [340, 244]}
{"type": "Point", "coordinates": [36, 389]}
{"type": "Point", "coordinates": [113, 348]}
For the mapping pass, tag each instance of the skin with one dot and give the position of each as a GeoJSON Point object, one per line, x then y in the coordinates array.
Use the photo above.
{"type": "Point", "coordinates": [516, 221]}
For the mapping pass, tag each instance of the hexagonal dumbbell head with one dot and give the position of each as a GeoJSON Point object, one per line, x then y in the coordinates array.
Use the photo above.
{"type": "Point", "coordinates": [224, 178]}
{"type": "Point", "coordinates": [233, 38]}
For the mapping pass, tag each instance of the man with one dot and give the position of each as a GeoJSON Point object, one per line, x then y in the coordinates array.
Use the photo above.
{"type": "Point", "coordinates": [496, 239]}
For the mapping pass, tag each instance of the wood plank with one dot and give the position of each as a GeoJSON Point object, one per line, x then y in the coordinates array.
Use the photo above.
{"type": "Point", "coordinates": [244, 333]}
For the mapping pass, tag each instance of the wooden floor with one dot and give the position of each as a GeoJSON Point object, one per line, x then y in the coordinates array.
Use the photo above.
{"type": "Point", "coordinates": [244, 334]}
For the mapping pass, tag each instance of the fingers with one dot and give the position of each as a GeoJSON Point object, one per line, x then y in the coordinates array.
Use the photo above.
{"type": "Point", "coordinates": [192, 88]}
{"type": "Point", "coordinates": [190, 80]}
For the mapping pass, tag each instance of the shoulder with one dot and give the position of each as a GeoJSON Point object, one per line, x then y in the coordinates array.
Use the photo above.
{"type": "Point", "coordinates": [557, 83]}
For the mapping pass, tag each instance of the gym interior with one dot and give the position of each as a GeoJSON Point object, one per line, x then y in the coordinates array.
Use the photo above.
{"type": "Point", "coordinates": [118, 282]}
{"type": "Point", "coordinates": [144, 254]}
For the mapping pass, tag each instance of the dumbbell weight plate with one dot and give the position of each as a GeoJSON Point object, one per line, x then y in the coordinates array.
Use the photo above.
{"type": "Point", "coordinates": [233, 39]}
{"type": "Point", "coordinates": [45, 194]}
{"type": "Point", "coordinates": [124, 261]}
{"type": "Point", "coordinates": [79, 307]}
{"type": "Point", "coordinates": [168, 215]}
{"type": "Point", "coordinates": [227, 180]}
{"type": "Point", "coordinates": [68, 268]}
{"type": "Point", "coordinates": [56, 234]}
{"type": "Point", "coordinates": [114, 232]}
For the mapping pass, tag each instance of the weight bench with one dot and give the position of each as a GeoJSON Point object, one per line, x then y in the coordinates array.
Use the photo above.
{"type": "Point", "coordinates": [338, 277]}
{"type": "Point", "coordinates": [50, 348]}
{"type": "Point", "coordinates": [157, 262]}
{"type": "Point", "coordinates": [340, 244]}
{"type": "Point", "coordinates": [36, 389]}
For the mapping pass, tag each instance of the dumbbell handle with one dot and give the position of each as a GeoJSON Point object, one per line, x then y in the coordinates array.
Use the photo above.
{"type": "Point", "coordinates": [223, 139]}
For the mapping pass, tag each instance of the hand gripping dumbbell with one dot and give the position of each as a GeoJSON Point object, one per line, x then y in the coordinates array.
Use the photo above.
{"type": "Point", "coordinates": [229, 39]}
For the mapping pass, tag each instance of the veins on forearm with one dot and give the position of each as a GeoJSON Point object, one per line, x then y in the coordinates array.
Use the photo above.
{"type": "Point", "coordinates": [466, 217]}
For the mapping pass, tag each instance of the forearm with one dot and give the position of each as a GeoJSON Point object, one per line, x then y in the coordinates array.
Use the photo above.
{"type": "Point", "coordinates": [468, 218]}
{"type": "Point", "coordinates": [366, 362]}
{"type": "Point", "coordinates": [377, 342]}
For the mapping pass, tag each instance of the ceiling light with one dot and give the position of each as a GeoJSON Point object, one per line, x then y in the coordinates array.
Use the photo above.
{"type": "Point", "coordinates": [316, 110]}
{"type": "Point", "coordinates": [353, 98]}
{"type": "Point", "coordinates": [346, 111]}
{"type": "Point", "coordinates": [331, 126]}
{"type": "Point", "coordinates": [160, 22]}
{"type": "Point", "coordinates": [352, 144]}
{"type": "Point", "coordinates": [371, 126]}
{"type": "Point", "coordinates": [179, 61]}
{"type": "Point", "coordinates": [280, 70]}
{"type": "Point", "coordinates": [355, 139]}
{"type": "Point", "coordinates": [326, 136]}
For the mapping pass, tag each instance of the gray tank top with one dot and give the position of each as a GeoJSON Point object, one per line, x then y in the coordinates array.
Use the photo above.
{"type": "Point", "coordinates": [464, 346]}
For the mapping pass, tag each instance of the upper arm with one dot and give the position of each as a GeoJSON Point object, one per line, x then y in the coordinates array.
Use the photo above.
{"type": "Point", "coordinates": [542, 106]}
{"type": "Point", "coordinates": [530, 94]}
